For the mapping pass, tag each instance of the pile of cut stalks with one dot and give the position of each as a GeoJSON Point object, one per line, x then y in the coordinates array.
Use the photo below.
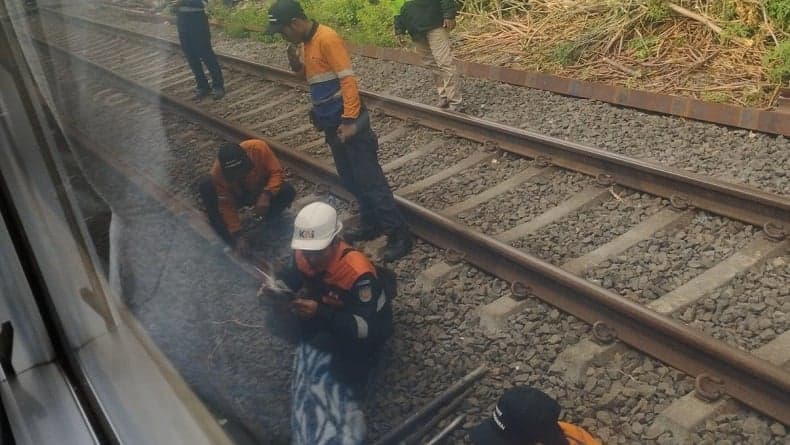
{"type": "Point", "coordinates": [679, 48]}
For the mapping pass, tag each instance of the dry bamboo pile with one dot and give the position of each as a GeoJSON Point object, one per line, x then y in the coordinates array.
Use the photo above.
{"type": "Point", "coordinates": [672, 47]}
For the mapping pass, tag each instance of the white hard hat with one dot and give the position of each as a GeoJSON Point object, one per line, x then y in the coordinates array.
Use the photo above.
{"type": "Point", "coordinates": [315, 227]}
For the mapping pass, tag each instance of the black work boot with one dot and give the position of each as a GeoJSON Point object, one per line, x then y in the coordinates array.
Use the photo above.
{"type": "Point", "coordinates": [363, 232]}
{"type": "Point", "coordinates": [398, 245]}
{"type": "Point", "coordinates": [200, 93]}
{"type": "Point", "coordinates": [218, 93]}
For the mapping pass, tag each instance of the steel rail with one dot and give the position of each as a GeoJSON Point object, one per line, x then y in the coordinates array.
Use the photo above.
{"type": "Point", "coordinates": [745, 377]}
{"type": "Point", "coordinates": [735, 201]}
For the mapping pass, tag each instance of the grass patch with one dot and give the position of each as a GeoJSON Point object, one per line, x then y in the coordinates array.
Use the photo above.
{"type": "Point", "coordinates": [643, 46]}
{"type": "Point", "coordinates": [777, 61]}
{"type": "Point", "coordinates": [358, 21]}
{"type": "Point", "coordinates": [565, 53]}
{"type": "Point", "coordinates": [779, 12]}
{"type": "Point", "coordinates": [657, 11]}
{"type": "Point", "coordinates": [715, 96]}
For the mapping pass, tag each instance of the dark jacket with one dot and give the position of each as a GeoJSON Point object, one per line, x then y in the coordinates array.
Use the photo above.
{"type": "Point", "coordinates": [417, 17]}
{"type": "Point", "coordinates": [353, 308]}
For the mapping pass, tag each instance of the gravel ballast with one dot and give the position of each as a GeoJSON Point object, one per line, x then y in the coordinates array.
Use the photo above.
{"type": "Point", "coordinates": [750, 311]}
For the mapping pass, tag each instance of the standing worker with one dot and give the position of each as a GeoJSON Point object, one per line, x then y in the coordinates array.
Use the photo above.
{"type": "Point", "coordinates": [345, 314]}
{"type": "Point", "coordinates": [528, 416]}
{"type": "Point", "coordinates": [339, 113]}
{"type": "Point", "coordinates": [246, 174]}
{"type": "Point", "coordinates": [195, 37]}
{"type": "Point", "coordinates": [428, 22]}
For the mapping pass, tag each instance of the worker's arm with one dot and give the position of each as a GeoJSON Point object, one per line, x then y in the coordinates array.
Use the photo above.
{"type": "Point", "coordinates": [336, 55]}
{"type": "Point", "coordinates": [265, 157]}
{"type": "Point", "coordinates": [356, 320]}
{"type": "Point", "coordinates": [295, 61]}
{"type": "Point", "coordinates": [227, 205]}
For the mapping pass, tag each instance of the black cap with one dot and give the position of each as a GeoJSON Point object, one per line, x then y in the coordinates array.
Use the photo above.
{"type": "Point", "coordinates": [523, 415]}
{"type": "Point", "coordinates": [232, 157]}
{"type": "Point", "coordinates": [281, 13]}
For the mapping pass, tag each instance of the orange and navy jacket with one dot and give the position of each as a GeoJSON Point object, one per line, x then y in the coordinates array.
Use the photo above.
{"type": "Point", "coordinates": [577, 435]}
{"type": "Point", "coordinates": [266, 176]}
{"type": "Point", "coordinates": [333, 87]}
{"type": "Point", "coordinates": [352, 305]}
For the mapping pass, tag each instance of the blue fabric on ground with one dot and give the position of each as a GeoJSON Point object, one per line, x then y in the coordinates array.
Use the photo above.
{"type": "Point", "coordinates": [324, 411]}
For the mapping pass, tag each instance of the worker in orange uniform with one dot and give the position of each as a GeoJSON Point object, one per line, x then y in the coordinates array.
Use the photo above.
{"type": "Point", "coordinates": [528, 416]}
{"type": "Point", "coordinates": [338, 112]}
{"type": "Point", "coordinates": [245, 174]}
{"type": "Point", "coordinates": [343, 304]}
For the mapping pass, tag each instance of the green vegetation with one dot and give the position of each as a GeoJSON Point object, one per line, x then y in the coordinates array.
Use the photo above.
{"type": "Point", "coordinates": [777, 60]}
{"type": "Point", "coordinates": [643, 46]}
{"type": "Point", "coordinates": [566, 53]}
{"type": "Point", "coordinates": [657, 11]}
{"type": "Point", "coordinates": [357, 20]}
{"type": "Point", "coordinates": [715, 96]}
{"type": "Point", "coordinates": [779, 12]}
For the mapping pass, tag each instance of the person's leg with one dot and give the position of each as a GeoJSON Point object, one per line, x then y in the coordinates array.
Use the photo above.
{"type": "Point", "coordinates": [439, 42]}
{"type": "Point", "coordinates": [203, 43]}
{"type": "Point", "coordinates": [345, 159]}
{"type": "Point", "coordinates": [376, 190]}
{"type": "Point", "coordinates": [208, 195]}
{"type": "Point", "coordinates": [423, 47]}
{"type": "Point", "coordinates": [187, 39]}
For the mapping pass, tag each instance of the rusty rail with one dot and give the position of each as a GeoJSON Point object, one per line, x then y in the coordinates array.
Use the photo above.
{"type": "Point", "coordinates": [739, 202]}
{"type": "Point", "coordinates": [753, 381]}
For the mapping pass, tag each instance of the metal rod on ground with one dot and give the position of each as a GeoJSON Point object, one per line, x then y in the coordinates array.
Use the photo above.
{"type": "Point", "coordinates": [444, 412]}
{"type": "Point", "coordinates": [446, 431]}
{"type": "Point", "coordinates": [395, 434]}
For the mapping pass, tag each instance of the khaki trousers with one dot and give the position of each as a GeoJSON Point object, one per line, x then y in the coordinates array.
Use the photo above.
{"type": "Point", "coordinates": [434, 47]}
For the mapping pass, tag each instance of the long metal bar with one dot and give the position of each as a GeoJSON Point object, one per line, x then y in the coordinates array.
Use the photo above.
{"type": "Point", "coordinates": [448, 394]}
{"type": "Point", "coordinates": [743, 203]}
{"type": "Point", "coordinates": [747, 378]}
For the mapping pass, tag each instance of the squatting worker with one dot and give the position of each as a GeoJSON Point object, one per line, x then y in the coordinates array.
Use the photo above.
{"type": "Point", "coordinates": [246, 174]}
{"type": "Point", "coordinates": [528, 416]}
{"type": "Point", "coordinates": [339, 113]}
{"type": "Point", "coordinates": [345, 316]}
{"type": "Point", "coordinates": [428, 22]}
{"type": "Point", "coordinates": [195, 37]}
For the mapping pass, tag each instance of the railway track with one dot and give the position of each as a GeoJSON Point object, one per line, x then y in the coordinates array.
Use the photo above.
{"type": "Point", "coordinates": [467, 185]}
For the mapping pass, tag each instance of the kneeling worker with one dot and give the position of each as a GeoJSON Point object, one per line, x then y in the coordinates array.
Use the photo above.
{"type": "Point", "coordinates": [345, 317]}
{"type": "Point", "coordinates": [528, 416]}
{"type": "Point", "coordinates": [246, 174]}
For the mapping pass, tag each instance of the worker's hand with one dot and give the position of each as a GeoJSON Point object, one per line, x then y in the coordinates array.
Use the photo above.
{"type": "Point", "coordinates": [449, 24]}
{"type": "Point", "coordinates": [262, 205]}
{"type": "Point", "coordinates": [293, 57]}
{"type": "Point", "coordinates": [346, 131]}
{"type": "Point", "coordinates": [304, 308]}
{"type": "Point", "coordinates": [242, 246]}
{"type": "Point", "coordinates": [332, 299]}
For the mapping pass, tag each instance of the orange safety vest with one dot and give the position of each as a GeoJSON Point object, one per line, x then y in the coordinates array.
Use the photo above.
{"type": "Point", "coordinates": [343, 270]}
